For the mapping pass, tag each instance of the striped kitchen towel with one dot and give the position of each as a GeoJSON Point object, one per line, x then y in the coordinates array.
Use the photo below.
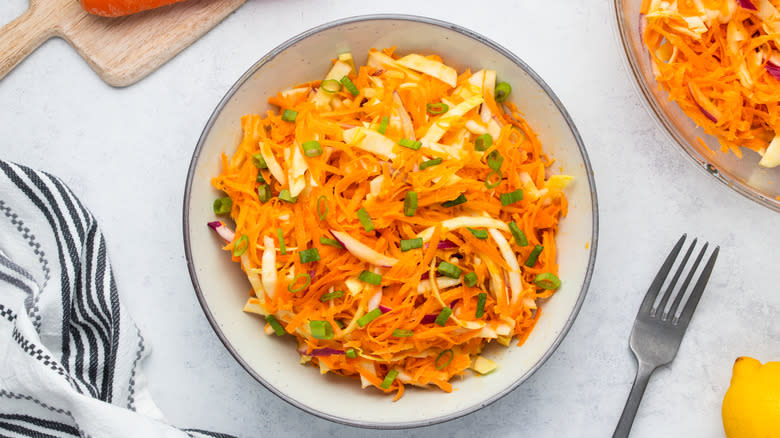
{"type": "Point", "coordinates": [70, 356]}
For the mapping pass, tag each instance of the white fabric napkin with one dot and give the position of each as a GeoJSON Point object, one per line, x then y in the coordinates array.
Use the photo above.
{"type": "Point", "coordinates": [70, 355]}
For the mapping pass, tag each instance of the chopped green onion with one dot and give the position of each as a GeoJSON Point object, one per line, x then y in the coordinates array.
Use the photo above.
{"type": "Point", "coordinates": [511, 197]}
{"type": "Point", "coordinates": [483, 142]}
{"type": "Point", "coordinates": [446, 353]}
{"type": "Point", "coordinates": [479, 234]}
{"type": "Point", "coordinates": [383, 125]}
{"type": "Point", "coordinates": [481, 300]}
{"type": "Point", "coordinates": [240, 247]}
{"type": "Point", "coordinates": [309, 255]}
{"type": "Point", "coordinates": [322, 200]}
{"type": "Point", "coordinates": [260, 178]}
{"type": "Point", "coordinates": [222, 205]}
{"type": "Point", "coordinates": [332, 295]}
{"type": "Point", "coordinates": [275, 324]}
{"type": "Point", "coordinates": [399, 333]}
{"type": "Point", "coordinates": [410, 203]}
{"type": "Point", "coordinates": [518, 234]}
{"type": "Point", "coordinates": [321, 329]}
{"type": "Point", "coordinates": [389, 379]}
{"type": "Point", "coordinates": [350, 86]}
{"type": "Point", "coordinates": [370, 278]}
{"type": "Point", "coordinates": [339, 323]}
{"type": "Point", "coordinates": [411, 144]}
{"type": "Point", "coordinates": [444, 315]}
{"type": "Point", "coordinates": [457, 201]}
{"type": "Point", "coordinates": [426, 164]}
{"type": "Point", "coordinates": [531, 260]}
{"type": "Point", "coordinates": [410, 244]}
{"type": "Point", "coordinates": [282, 246]}
{"type": "Point", "coordinates": [289, 115]}
{"type": "Point", "coordinates": [312, 148]}
{"type": "Point", "coordinates": [502, 91]}
{"type": "Point", "coordinates": [437, 108]}
{"type": "Point", "coordinates": [498, 177]}
{"type": "Point", "coordinates": [470, 279]}
{"type": "Point", "coordinates": [295, 280]}
{"type": "Point", "coordinates": [547, 281]}
{"type": "Point", "coordinates": [368, 317]}
{"type": "Point", "coordinates": [331, 242]}
{"type": "Point", "coordinates": [330, 86]}
{"type": "Point", "coordinates": [264, 193]}
{"type": "Point", "coordinates": [449, 270]}
{"type": "Point", "coordinates": [494, 160]}
{"type": "Point", "coordinates": [259, 161]}
{"type": "Point", "coordinates": [286, 196]}
{"type": "Point", "coordinates": [365, 220]}
{"type": "Point", "coordinates": [351, 353]}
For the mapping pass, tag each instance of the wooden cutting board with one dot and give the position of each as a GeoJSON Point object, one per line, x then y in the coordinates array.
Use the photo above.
{"type": "Point", "coordinates": [120, 50]}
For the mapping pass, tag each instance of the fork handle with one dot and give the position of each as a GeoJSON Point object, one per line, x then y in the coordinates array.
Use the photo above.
{"type": "Point", "coordinates": [643, 373]}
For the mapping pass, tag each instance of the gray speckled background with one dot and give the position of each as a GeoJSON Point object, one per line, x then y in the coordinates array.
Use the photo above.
{"type": "Point", "coordinates": [126, 152]}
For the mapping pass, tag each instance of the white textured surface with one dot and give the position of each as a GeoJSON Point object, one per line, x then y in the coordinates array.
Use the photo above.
{"type": "Point", "coordinates": [126, 152]}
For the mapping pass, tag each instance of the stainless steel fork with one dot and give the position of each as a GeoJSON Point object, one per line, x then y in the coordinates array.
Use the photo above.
{"type": "Point", "coordinates": [658, 332]}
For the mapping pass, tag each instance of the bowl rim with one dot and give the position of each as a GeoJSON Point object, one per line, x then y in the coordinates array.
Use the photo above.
{"type": "Point", "coordinates": [651, 104]}
{"type": "Point", "coordinates": [468, 33]}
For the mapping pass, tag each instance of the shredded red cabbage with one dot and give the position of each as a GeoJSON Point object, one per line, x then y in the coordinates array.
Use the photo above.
{"type": "Point", "coordinates": [384, 309]}
{"type": "Point", "coordinates": [773, 69]}
{"type": "Point", "coordinates": [705, 112]}
{"type": "Point", "coordinates": [429, 318]}
{"type": "Point", "coordinates": [223, 231]}
{"type": "Point", "coordinates": [446, 244]}
{"type": "Point", "coordinates": [747, 4]}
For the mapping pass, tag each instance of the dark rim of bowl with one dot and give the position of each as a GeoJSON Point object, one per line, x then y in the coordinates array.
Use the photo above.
{"type": "Point", "coordinates": [473, 35]}
{"type": "Point", "coordinates": [658, 114]}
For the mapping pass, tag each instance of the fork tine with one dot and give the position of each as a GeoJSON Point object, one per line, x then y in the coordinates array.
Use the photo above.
{"type": "Point", "coordinates": [690, 306]}
{"type": "Point", "coordinates": [670, 290]}
{"type": "Point", "coordinates": [678, 299]}
{"type": "Point", "coordinates": [655, 287]}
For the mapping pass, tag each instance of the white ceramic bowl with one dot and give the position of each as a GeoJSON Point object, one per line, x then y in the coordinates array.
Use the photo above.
{"type": "Point", "coordinates": [222, 288]}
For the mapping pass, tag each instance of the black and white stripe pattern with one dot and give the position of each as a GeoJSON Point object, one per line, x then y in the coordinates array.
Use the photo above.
{"type": "Point", "coordinates": [60, 315]}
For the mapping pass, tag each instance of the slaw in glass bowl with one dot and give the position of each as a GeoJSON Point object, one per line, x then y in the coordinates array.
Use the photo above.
{"type": "Point", "coordinates": [743, 175]}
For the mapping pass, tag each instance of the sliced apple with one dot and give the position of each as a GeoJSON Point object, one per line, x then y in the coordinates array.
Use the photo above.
{"type": "Point", "coordinates": [437, 69]}
{"type": "Point", "coordinates": [340, 69]}
{"type": "Point", "coordinates": [268, 266]}
{"type": "Point", "coordinates": [558, 182]}
{"type": "Point", "coordinates": [771, 157]}
{"type": "Point", "coordinates": [363, 251]}
{"type": "Point", "coordinates": [515, 283]}
{"type": "Point", "coordinates": [462, 222]}
{"type": "Point", "coordinates": [273, 166]}
{"type": "Point", "coordinates": [370, 141]}
{"type": "Point", "coordinates": [298, 170]}
{"type": "Point", "coordinates": [443, 123]}
{"type": "Point", "coordinates": [253, 306]}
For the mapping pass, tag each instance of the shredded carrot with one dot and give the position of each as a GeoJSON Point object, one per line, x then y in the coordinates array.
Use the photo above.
{"type": "Point", "coordinates": [718, 59]}
{"type": "Point", "coordinates": [339, 168]}
{"type": "Point", "coordinates": [118, 8]}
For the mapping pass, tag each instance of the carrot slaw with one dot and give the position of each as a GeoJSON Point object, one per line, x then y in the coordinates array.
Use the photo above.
{"type": "Point", "coordinates": [394, 218]}
{"type": "Point", "coordinates": [719, 60]}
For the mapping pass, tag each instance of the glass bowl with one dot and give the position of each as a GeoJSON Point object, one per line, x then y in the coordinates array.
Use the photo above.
{"type": "Point", "coordinates": [742, 175]}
